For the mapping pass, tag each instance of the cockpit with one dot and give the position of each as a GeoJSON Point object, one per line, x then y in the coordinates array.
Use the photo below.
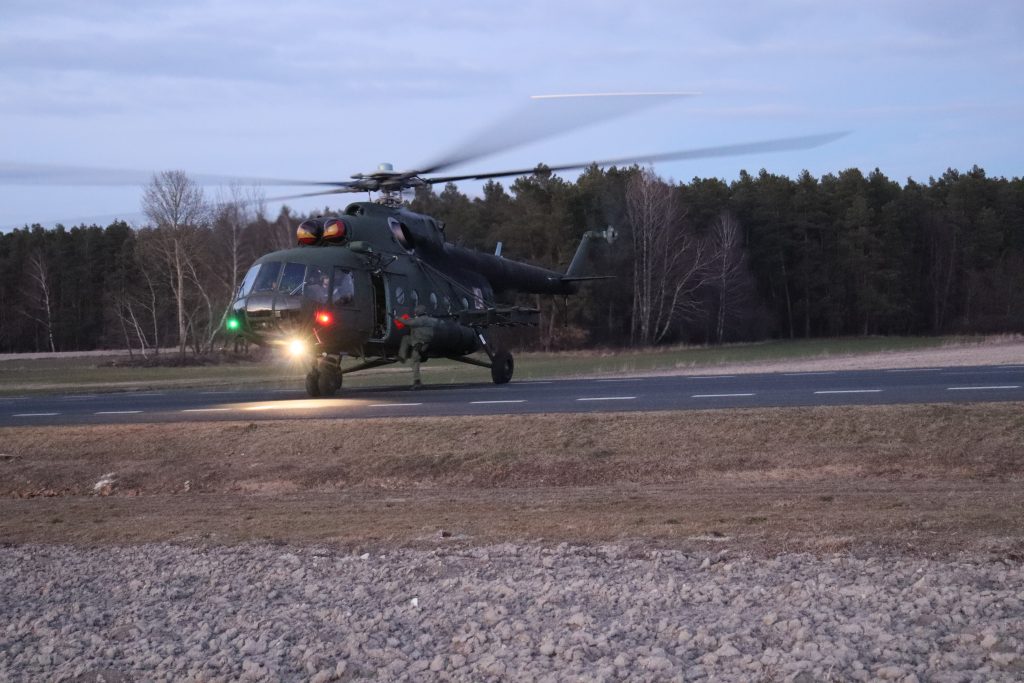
{"type": "Point", "coordinates": [273, 293]}
{"type": "Point", "coordinates": [284, 281]}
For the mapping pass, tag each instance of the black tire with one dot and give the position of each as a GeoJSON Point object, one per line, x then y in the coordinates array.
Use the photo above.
{"type": "Point", "coordinates": [313, 384]}
{"type": "Point", "coordinates": [328, 383]}
{"type": "Point", "coordinates": [502, 366]}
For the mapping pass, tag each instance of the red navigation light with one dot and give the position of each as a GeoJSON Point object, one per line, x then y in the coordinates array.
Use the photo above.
{"type": "Point", "coordinates": [324, 318]}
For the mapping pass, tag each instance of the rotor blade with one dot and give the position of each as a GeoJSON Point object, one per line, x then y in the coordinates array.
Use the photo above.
{"type": "Point", "coordinates": [14, 173]}
{"type": "Point", "coordinates": [545, 116]}
{"type": "Point", "coordinates": [776, 145]}
{"type": "Point", "coordinates": [337, 190]}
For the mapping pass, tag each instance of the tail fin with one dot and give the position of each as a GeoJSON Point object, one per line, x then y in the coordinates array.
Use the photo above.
{"type": "Point", "coordinates": [579, 260]}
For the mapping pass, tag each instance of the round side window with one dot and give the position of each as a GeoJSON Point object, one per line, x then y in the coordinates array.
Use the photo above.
{"type": "Point", "coordinates": [399, 295]}
{"type": "Point", "coordinates": [433, 301]}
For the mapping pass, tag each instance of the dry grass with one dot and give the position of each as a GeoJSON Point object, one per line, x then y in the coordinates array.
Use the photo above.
{"type": "Point", "coordinates": [939, 478]}
{"type": "Point", "coordinates": [793, 444]}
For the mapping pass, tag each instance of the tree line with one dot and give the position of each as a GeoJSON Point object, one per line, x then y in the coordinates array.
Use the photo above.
{"type": "Point", "coordinates": [705, 261]}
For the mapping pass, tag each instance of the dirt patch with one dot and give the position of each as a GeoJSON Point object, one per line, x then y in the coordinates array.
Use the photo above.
{"type": "Point", "coordinates": [937, 478]}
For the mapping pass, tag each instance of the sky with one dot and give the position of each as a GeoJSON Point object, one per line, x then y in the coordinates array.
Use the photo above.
{"type": "Point", "coordinates": [321, 89]}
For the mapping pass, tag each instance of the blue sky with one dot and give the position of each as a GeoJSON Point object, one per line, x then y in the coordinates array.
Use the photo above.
{"type": "Point", "coordinates": [319, 89]}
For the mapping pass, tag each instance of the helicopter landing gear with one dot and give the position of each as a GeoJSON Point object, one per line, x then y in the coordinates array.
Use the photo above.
{"type": "Point", "coordinates": [313, 384]}
{"type": "Point", "coordinates": [324, 379]}
{"type": "Point", "coordinates": [328, 382]}
{"type": "Point", "coordinates": [502, 366]}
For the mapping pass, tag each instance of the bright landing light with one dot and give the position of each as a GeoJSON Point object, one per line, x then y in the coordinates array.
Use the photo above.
{"type": "Point", "coordinates": [297, 348]}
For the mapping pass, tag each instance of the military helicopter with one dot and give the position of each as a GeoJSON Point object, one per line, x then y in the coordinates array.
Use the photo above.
{"type": "Point", "coordinates": [353, 278]}
{"type": "Point", "coordinates": [352, 281]}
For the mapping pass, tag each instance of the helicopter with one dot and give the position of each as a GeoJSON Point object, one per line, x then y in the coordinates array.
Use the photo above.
{"type": "Point", "coordinates": [351, 285]}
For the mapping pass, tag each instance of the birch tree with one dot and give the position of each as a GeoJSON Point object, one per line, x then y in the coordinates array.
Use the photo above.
{"type": "Point", "coordinates": [670, 262]}
{"type": "Point", "coordinates": [42, 292]}
{"type": "Point", "coordinates": [174, 203]}
{"type": "Point", "coordinates": [728, 268]}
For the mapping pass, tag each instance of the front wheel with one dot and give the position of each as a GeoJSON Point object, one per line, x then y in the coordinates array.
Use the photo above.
{"type": "Point", "coordinates": [328, 383]}
{"type": "Point", "coordinates": [502, 366]}
{"type": "Point", "coordinates": [313, 384]}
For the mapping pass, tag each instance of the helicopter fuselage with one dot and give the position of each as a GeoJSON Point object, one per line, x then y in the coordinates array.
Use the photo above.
{"type": "Point", "coordinates": [347, 289]}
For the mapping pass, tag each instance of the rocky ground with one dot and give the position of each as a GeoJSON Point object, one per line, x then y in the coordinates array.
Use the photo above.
{"type": "Point", "coordinates": [502, 612]}
{"type": "Point", "coordinates": [227, 552]}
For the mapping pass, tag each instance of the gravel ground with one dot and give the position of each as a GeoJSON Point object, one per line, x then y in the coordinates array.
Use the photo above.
{"type": "Point", "coordinates": [165, 612]}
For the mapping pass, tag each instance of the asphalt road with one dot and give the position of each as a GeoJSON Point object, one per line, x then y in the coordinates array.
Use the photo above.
{"type": "Point", "coordinates": [689, 392]}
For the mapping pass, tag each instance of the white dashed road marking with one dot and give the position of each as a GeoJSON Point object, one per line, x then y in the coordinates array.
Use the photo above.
{"type": "Point", "coordinates": [34, 414]}
{"type": "Point", "coordinates": [607, 398]}
{"type": "Point", "coordinates": [718, 395]}
{"type": "Point", "coordinates": [1011, 386]}
{"type": "Point", "coordinates": [393, 405]}
{"type": "Point", "coordinates": [850, 391]}
{"type": "Point", "coordinates": [117, 412]}
{"type": "Point", "coordinates": [521, 400]}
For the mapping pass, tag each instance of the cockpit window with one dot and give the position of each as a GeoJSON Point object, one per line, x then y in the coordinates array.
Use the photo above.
{"type": "Point", "coordinates": [344, 287]}
{"type": "Point", "coordinates": [292, 279]}
{"type": "Point", "coordinates": [266, 279]}
{"type": "Point", "coordinates": [248, 281]}
{"type": "Point", "coordinates": [317, 284]}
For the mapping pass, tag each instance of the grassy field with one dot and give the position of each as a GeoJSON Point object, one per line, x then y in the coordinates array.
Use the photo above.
{"type": "Point", "coordinates": [90, 373]}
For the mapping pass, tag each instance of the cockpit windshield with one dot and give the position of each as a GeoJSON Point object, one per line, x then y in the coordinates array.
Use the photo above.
{"type": "Point", "coordinates": [298, 280]}
{"type": "Point", "coordinates": [317, 281]}
{"type": "Point", "coordinates": [266, 278]}
{"type": "Point", "coordinates": [292, 279]}
{"type": "Point", "coordinates": [248, 281]}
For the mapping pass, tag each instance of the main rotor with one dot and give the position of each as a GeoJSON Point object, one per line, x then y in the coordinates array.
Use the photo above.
{"type": "Point", "coordinates": [387, 182]}
{"type": "Point", "coordinates": [558, 114]}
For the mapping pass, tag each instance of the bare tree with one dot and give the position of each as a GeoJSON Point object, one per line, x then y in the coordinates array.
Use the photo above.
{"type": "Point", "coordinates": [237, 209]}
{"type": "Point", "coordinates": [176, 206]}
{"type": "Point", "coordinates": [125, 309]}
{"type": "Point", "coordinates": [728, 267]}
{"type": "Point", "coordinates": [42, 313]}
{"type": "Point", "coordinates": [670, 262]}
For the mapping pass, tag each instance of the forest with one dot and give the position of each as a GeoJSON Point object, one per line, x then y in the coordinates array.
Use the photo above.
{"type": "Point", "coordinates": [705, 261]}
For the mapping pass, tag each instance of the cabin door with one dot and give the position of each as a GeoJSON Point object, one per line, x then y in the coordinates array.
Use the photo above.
{"type": "Point", "coordinates": [380, 306]}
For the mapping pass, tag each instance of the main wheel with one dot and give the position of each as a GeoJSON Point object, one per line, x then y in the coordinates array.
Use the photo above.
{"type": "Point", "coordinates": [502, 366]}
{"type": "Point", "coordinates": [328, 383]}
{"type": "Point", "coordinates": [313, 384]}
